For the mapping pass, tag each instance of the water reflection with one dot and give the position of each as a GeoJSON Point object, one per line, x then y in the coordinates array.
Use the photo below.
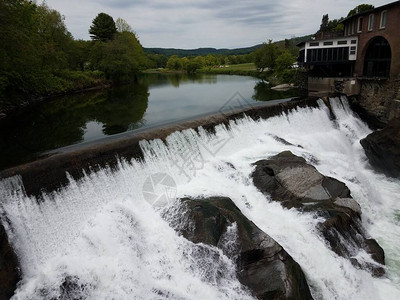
{"type": "Point", "coordinates": [263, 92]}
{"type": "Point", "coordinates": [70, 120]}
{"type": "Point", "coordinates": [177, 79]}
{"type": "Point", "coordinates": [156, 99]}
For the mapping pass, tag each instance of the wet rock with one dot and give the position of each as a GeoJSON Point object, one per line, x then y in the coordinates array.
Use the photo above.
{"type": "Point", "coordinates": [283, 87]}
{"type": "Point", "coordinates": [262, 264]}
{"type": "Point", "coordinates": [9, 270]}
{"type": "Point", "coordinates": [383, 148]}
{"type": "Point", "coordinates": [288, 179]}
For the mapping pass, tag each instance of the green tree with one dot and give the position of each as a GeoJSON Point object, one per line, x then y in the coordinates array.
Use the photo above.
{"type": "Point", "coordinates": [102, 28]}
{"type": "Point", "coordinates": [156, 61]}
{"type": "Point", "coordinates": [54, 38]}
{"type": "Point", "coordinates": [174, 63]}
{"type": "Point", "coordinates": [34, 47]}
{"type": "Point", "coordinates": [324, 23]}
{"type": "Point", "coordinates": [192, 66]}
{"type": "Point", "coordinates": [334, 25]}
{"type": "Point", "coordinates": [78, 55]}
{"type": "Point", "coordinates": [284, 61]}
{"type": "Point", "coordinates": [360, 8]}
{"type": "Point", "coordinates": [120, 59]}
{"type": "Point", "coordinates": [265, 56]}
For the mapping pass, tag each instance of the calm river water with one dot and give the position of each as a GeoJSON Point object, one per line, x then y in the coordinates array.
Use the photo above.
{"type": "Point", "coordinates": [155, 100]}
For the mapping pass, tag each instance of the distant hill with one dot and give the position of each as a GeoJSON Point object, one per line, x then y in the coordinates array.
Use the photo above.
{"type": "Point", "coordinates": [214, 51]}
{"type": "Point", "coordinates": [200, 51]}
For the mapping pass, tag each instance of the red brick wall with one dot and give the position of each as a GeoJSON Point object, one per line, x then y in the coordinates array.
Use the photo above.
{"type": "Point", "coordinates": [391, 33]}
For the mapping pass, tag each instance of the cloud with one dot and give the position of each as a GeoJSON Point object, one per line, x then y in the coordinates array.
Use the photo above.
{"type": "Point", "coordinates": [205, 23]}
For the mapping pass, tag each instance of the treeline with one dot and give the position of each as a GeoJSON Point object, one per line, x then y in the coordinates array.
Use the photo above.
{"type": "Point", "coordinates": [200, 51]}
{"type": "Point", "coordinates": [39, 57]}
{"type": "Point", "coordinates": [192, 64]}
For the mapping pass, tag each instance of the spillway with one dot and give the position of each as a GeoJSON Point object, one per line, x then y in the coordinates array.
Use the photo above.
{"type": "Point", "coordinates": [106, 235]}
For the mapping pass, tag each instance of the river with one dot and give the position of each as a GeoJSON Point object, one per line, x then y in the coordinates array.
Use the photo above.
{"type": "Point", "coordinates": [156, 99]}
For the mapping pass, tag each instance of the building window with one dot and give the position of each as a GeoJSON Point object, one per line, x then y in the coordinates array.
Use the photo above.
{"type": "Point", "coordinates": [354, 41]}
{"type": "Point", "coordinates": [370, 22]}
{"type": "Point", "coordinates": [342, 42]}
{"type": "Point", "coordinates": [383, 20]}
{"type": "Point", "coordinates": [313, 44]}
{"type": "Point", "coordinates": [328, 43]}
{"type": "Point", "coordinates": [360, 24]}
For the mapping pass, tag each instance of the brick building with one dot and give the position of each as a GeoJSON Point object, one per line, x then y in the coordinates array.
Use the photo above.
{"type": "Point", "coordinates": [368, 47]}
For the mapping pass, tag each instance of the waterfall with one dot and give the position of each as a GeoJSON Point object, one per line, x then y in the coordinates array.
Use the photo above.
{"type": "Point", "coordinates": [106, 235]}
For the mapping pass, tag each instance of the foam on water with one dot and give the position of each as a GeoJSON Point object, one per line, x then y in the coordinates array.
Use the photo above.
{"type": "Point", "coordinates": [107, 235]}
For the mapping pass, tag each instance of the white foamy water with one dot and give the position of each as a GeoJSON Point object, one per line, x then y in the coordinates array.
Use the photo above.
{"type": "Point", "coordinates": [109, 240]}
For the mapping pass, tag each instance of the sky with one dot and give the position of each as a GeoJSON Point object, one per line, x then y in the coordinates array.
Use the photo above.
{"type": "Point", "coordinates": [189, 24]}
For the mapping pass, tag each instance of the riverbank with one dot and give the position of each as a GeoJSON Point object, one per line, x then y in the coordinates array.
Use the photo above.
{"type": "Point", "coordinates": [247, 69]}
{"type": "Point", "coordinates": [69, 83]}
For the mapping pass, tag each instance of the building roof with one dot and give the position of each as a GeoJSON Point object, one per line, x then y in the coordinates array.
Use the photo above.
{"type": "Point", "coordinates": [371, 10]}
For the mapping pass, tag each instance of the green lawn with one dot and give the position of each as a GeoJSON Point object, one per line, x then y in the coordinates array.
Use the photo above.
{"type": "Point", "coordinates": [238, 67]}
{"type": "Point", "coordinates": [248, 69]}
{"type": "Point", "coordinates": [243, 67]}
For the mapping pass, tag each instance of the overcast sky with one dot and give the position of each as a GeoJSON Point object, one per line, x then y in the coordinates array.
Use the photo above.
{"type": "Point", "coordinates": [204, 23]}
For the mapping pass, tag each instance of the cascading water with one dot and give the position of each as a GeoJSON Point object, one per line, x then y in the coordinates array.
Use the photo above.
{"type": "Point", "coordinates": [107, 236]}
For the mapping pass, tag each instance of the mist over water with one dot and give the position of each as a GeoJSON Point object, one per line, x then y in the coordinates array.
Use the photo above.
{"type": "Point", "coordinates": [110, 236]}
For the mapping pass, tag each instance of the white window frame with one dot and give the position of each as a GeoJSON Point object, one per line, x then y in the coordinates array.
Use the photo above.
{"type": "Point", "coordinates": [360, 19]}
{"type": "Point", "coordinates": [371, 22]}
{"type": "Point", "coordinates": [383, 17]}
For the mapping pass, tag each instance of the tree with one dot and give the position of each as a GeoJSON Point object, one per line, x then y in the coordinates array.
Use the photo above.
{"type": "Point", "coordinates": [327, 25]}
{"type": "Point", "coordinates": [122, 26]}
{"type": "Point", "coordinates": [265, 56]}
{"type": "Point", "coordinates": [192, 66]}
{"type": "Point", "coordinates": [174, 63]}
{"type": "Point", "coordinates": [120, 59]}
{"type": "Point", "coordinates": [34, 47]}
{"type": "Point", "coordinates": [360, 8]}
{"type": "Point", "coordinates": [284, 61]}
{"type": "Point", "coordinates": [324, 23]}
{"type": "Point", "coordinates": [103, 28]}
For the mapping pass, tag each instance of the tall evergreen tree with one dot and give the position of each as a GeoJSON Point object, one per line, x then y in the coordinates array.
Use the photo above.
{"type": "Point", "coordinates": [324, 23]}
{"type": "Point", "coordinates": [103, 28]}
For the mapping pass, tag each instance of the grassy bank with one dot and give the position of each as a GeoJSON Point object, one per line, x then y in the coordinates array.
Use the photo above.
{"type": "Point", "coordinates": [60, 83]}
{"type": "Point", "coordinates": [247, 69]}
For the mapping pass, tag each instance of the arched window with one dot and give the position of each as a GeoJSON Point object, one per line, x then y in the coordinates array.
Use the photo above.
{"type": "Point", "coordinates": [377, 58]}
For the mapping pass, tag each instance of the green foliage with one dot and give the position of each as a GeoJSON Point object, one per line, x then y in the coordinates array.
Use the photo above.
{"type": "Point", "coordinates": [78, 54]}
{"type": "Point", "coordinates": [120, 59]}
{"type": "Point", "coordinates": [34, 44]}
{"type": "Point", "coordinates": [334, 25]}
{"type": "Point", "coordinates": [284, 61]}
{"type": "Point", "coordinates": [200, 51]}
{"type": "Point", "coordinates": [156, 61]}
{"type": "Point", "coordinates": [324, 23]}
{"type": "Point", "coordinates": [265, 57]}
{"type": "Point", "coordinates": [102, 28]}
{"type": "Point", "coordinates": [192, 66]}
{"type": "Point", "coordinates": [360, 8]}
{"type": "Point", "coordinates": [174, 63]}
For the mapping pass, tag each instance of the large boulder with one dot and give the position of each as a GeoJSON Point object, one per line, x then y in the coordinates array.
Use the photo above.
{"type": "Point", "coordinates": [382, 148]}
{"type": "Point", "coordinates": [9, 270]}
{"type": "Point", "coordinates": [288, 179]}
{"type": "Point", "coordinates": [263, 266]}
